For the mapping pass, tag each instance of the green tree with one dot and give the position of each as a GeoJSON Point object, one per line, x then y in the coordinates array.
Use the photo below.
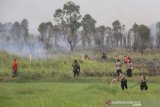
{"type": "Point", "coordinates": [158, 26]}
{"type": "Point", "coordinates": [109, 40]}
{"type": "Point", "coordinates": [1, 27]}
{"type": "Point", "coordinates": [56, 34]}
{"type": "Point", "coordinates": [69, 18]}
{"type": "Point", "coordinates": [116, 25]}
{"type": "Point", "coordinates": [144, 33]}
{"type": "Point", "coordinates": [158, 35]}
{"type": "Point", "coordinates": [117, 34]}
{"type": "Point", "coordinates": [15, 31]}
{"type": "Point", "coordinates": [158, 40]}
{"type": "Point", "coordinates": [136, 43]}
{"type": "Point", "coordinates": [99, 37]}
{"type": "Point", "coordinates": [45, 30]}
{"type": "Point", "coordinates": [24, 29]}
{"type": "Point", "coordinates": [88, 24]}
{"type": "Point", "coordinates": [123, 41]}
{"type": "Point", "coordinates": [142, 38]}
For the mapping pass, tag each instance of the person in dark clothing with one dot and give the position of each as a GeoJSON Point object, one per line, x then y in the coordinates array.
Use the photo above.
{"type": "Point", "coordinates": [143, 85]}
{"type": "Point", "coordinates": [104, 57]}
{"type": "Point", "coordinates": [130, 68]}
{"type": "Point", "coordinates": [123, 80]}
{"type": "Point", "coordinates": [76, 68]}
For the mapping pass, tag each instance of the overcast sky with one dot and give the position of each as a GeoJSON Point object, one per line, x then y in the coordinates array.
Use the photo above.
{"type": "Point", "coordinates": [103, 11]}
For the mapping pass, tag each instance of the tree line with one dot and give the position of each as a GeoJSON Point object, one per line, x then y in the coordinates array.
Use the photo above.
{"type": "Point", "coordinates": [16, 32]}
{"type": "Point", "coordinates": [76, 28]}
{"type": "Point", "coordinates": [80, 31]}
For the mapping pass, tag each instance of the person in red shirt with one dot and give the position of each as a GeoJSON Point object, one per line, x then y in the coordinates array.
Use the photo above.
{"type": "Point", "coordinates": [125, 59]}
{"type": "Point", "coordinates": [14, 68]}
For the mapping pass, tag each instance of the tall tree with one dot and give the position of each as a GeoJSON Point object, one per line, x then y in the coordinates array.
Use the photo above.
{"type": "Point", "coordinates": [56, 34]}
{"type": "Point", "coordinates": [99, 37]}
{"type": "Point", "coordinates": [158, 26]}
{"type": "Point", "coordinates": [88, 24]}
{"type": "Point", "coordinates": [134, 29]}
{"type": "Point", "coordinates": [116, 25]}
{"type": "Point", "coordinates": [144, 37]}
{"type": "Point", "coordinates": [158, 40]}
{"type": "Point", "coordinates": [42, 30]}
{"type": "Point", "coordinates": [158, 35]}
{"type": "Point", "coordinates": [1, 27]}
{"type": "Point", "coordinates": [15, 31]}
{"type": "Point", "coordinates": [69, 18]}
{"type": "Point", "coordinates": [24, 29]}
{"type": "Point", "coordinates": [101, 30]}
{"type": "Point", "coordinates": [123, 39]}
{"type": "Point", "coordinates": [117, 34]}
{"type": "Point", "coordinates": [109, 37]}
{"type": "Point", "coordinates": [45, 30]}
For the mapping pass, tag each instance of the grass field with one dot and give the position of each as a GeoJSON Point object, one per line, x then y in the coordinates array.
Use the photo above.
{"type": "Point", "coordinates": [50, 82]}
{"type": "Point", "coordinates": [76, 94]}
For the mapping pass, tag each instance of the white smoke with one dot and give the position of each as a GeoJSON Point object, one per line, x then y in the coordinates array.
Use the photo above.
{"type": "Point", "coordinates": [33, 47]}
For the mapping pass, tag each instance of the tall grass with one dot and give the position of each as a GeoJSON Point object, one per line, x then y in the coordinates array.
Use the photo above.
{"type": "Point", "coordinates": [62, 65]}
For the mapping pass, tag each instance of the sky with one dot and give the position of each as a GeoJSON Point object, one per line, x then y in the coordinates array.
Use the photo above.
{"type": "Point", "coordinates": [103, 11]}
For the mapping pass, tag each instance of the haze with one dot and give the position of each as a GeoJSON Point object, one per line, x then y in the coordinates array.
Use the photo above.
{"type": "Point", "coordinates": [103, 11]}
